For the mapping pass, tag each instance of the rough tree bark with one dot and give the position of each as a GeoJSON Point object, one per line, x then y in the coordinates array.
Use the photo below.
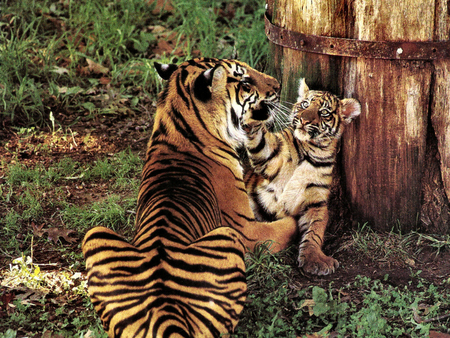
{"type": "Point", "coordinates": [395, 168]}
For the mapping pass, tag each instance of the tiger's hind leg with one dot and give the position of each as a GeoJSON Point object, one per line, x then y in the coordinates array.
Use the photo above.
{"type": "Point", "coordinates": [311, 257]}
{"type": "Point", "coordinates": [109, 260]}
{"type": "Point", "coordinates": [204, 284]}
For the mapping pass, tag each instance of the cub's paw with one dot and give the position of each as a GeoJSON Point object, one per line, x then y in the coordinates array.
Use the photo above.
{"type": "Point", "coordinates": [315, 262]}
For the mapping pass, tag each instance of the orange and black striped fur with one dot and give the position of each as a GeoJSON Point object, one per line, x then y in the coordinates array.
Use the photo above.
{"type": "Point", "coordinates": [291, 170]}
{"type": "Point", "coordinates": [183, 274]}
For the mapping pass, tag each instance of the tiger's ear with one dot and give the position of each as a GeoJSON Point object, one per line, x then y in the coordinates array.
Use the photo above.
{"type": "Point", "coordinates": [210, 81]}
{"type": "Point", "coordinates": [234, 55]}
{"type": "Point", "coordinates": [165, 70]}
{"type": "Point", "coordinates": [350, 109]}
{"type": "Point", "coordinates": [302, 89]}
{"type": "Point", "coordinates": [219, 80]}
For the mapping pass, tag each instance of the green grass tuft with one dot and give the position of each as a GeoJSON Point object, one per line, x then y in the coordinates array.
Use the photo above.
{"type": "Point", "coordinates": [278, 306]}
{"type": "Point", "coordinates": [113, 212]}
{"type": "Point", "coordinates": [55, 53]}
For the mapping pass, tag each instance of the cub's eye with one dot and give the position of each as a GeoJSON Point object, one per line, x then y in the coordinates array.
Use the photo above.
{"type": "Point", "coordinates": [304, 104]}
{"type": "Point", "coordinates": [326, 113]}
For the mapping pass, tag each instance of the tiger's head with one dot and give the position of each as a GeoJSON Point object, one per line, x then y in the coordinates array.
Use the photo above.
{"type": "Point", "coordinates": [319, 116]}
{"type": "Point", "coordinates": [222, 94]}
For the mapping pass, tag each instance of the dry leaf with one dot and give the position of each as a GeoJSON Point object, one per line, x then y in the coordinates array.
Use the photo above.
{"type": "Point", "coordinates": [60, 70]}
{"type": "Point", "coordinates": [89, 334]}
{"type": "Point", "coordinates": [410, 262]}
{"type": "Point", "coordinates": [50, 334]}
{"type": "Point", "coordinates": [37, 229]}
{"type": "Point", "coordinates": [317, 335]}
{"type": "Point", "coordinates": [435, 334]}
{"type": "Point", "coordinates": [163, 47]}
{"type": "Point", "coordinates": [7, 298]}
{"type": "Point", "coordinates": [157, 29]}
{"type": "Point", "coordinates": [54, 234]}
{"type": "Point", "coordinates": [310, 304]}
{"type": "Point", "coordinates": [417, 318]}
{"type": "Point", "coordinates": [161, 5]}
{"type": "Point", "coordinates": [104, 80]}
{"type": "Point", "coordinates": [31, 296]}
{"type": "Point", "coordinates": [96, 68]}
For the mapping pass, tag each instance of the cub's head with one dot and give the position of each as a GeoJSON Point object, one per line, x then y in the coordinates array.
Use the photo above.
{"type": "Point", "coordinates": [319, 116]}
{"type": "Point", "coordinates": [220, 93]}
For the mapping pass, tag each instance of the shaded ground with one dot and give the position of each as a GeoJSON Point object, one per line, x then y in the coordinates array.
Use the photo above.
{"type": "Point", "coordinates": [84, 142]}
{"type": "Point", "coordinates": [435, 268]}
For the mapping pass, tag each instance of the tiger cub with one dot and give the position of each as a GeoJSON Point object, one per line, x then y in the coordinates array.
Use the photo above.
{"type": "Point", "coordinates": [292, 169]}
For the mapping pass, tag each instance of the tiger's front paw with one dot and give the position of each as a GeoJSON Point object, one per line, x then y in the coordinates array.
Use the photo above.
{"type": "Point", "coordinates": [315, 262]}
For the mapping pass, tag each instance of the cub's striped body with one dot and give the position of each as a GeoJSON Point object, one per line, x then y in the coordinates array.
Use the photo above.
{"type": "Point", "coordinates": [183, 275]}
{"type": "Point", "coordinates": [291, 170]}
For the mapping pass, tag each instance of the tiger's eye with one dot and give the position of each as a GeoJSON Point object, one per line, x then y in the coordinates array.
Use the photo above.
{"type": "Point", "coordinates": [245, 86]}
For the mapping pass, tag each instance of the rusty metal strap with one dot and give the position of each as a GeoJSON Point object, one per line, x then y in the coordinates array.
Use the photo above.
{"type": "Point", "coordinates": [390, 50]}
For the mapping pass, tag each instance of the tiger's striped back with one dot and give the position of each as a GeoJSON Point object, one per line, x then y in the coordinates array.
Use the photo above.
{"type": "Point", "coordinates": [183, 275]}
{"type": "Point", "coordinates": [292, 170]}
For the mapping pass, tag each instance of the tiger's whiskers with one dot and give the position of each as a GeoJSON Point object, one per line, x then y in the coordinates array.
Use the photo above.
{"type": "Point", "coordinates": [281, 114]}
{"type": "Point", "coordinates": [287, 104]}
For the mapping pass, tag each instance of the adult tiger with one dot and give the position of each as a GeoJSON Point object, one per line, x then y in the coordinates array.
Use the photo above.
{"type": "Point", "coordinates": [292, 169]}
{"type": "Point", "coordinates": [183, 275]}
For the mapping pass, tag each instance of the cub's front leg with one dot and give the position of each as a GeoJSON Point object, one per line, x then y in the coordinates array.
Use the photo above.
{"type": "Point", "coordinates": [312, 225]}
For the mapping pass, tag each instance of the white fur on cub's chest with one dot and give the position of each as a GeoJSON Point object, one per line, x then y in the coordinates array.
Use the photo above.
{"type": "Point", "coordinates": [287, 193]}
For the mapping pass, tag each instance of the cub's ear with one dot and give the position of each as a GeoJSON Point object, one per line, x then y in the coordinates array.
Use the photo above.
{"type": "Point", "coordinates": [350, 109]}
{"type": "Point", "coordinates": [210, 81]}
{"type": "Point", "coordinates": [302, 89]}
{"type": "Point", "coordinates": [165, 70]}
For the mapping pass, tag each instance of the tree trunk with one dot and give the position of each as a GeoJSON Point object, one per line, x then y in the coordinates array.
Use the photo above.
{"type": "Point", "coordinates": [395, 166]}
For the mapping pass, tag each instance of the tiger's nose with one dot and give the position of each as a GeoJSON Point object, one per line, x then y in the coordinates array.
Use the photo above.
{"type": "Point", "coordinates": [308, 117]}
{"type": "Point", "coordinates": [304, 121]}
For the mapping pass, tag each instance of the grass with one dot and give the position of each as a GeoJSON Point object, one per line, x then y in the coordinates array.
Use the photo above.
{"type": "Point", "coordinates": [280, 303]}
{"type": "Point", "coordinates": [38, 191]}
{"type": "Point", "coordinates": [38, 195]}
{"type": "Point", "coordinates": [279, 306]}
{"type": "Point", "coordinates": [115, 212]}
{"type": "Point", "coordinates": [438, 242]}
{"type": "Point", "coordinates": [60, 315]}
{"type": "Point", "coordinates": [383, 247]}
{"type": "Point", "coordinates": [58, 56]}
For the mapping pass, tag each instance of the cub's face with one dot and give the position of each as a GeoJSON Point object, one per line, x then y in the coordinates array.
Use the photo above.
{"type": "Point", "coordinates": [319, 116]}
